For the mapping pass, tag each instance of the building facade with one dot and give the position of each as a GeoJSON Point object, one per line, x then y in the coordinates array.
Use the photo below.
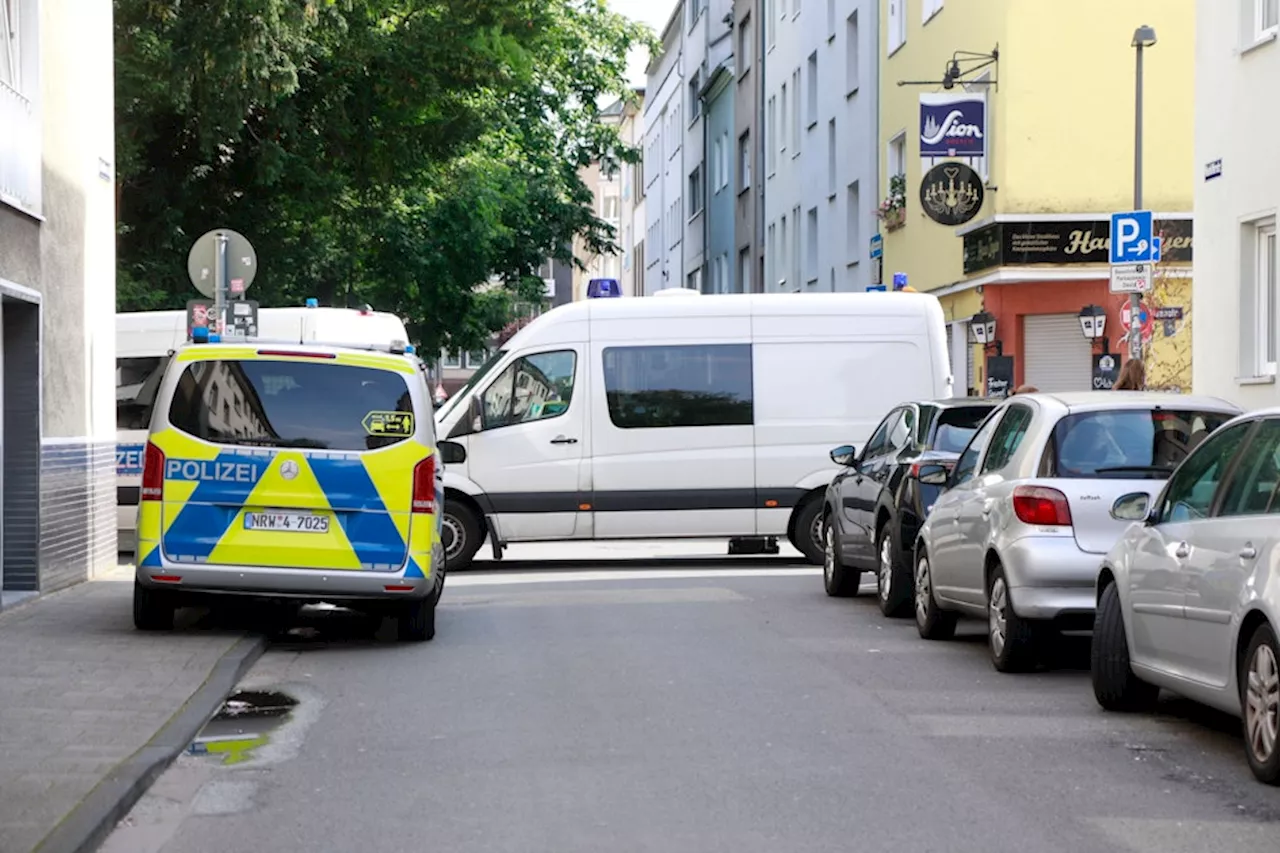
{"type": "Point", "coordinates": [663, 167]}
{"type": "Point", "coordinates": [632, 233]}
{"type": "Point", "coordinates": [1236, 199]}
{"type": "Point", "coordinates": [1022, 230]}
{"type": "Point", "coordinates": [748, 101]}
{"type": "Point", "coordinates": [820, 159]}
{"type": "Point", "coordinates": [718, 96]}
{"type": "Point", "coordinates": [57, 282]}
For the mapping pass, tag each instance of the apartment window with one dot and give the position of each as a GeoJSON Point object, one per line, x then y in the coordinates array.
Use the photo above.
{"type": "Point", "coordinates": [695, 191]}
{"type": "Point", "coordinates": [831, 19]}
{"type": "Point", "coordinates": [1260, 297]}
{"type": "Point", "coordinates": [929, 8]}
{"type": "Point", "coordinates": [811, 246]}
{"type": "Point", "coordinates": [451, 359]}
{"type": "Point", "coordinates": [726, 160]}
{"type": "Point", "coordinates": [852, 53]}
{"type": "Point", "coordinates": [744, 161]}
{"type": "Point", "coordinates": [784, 116]}
{"type": "Point", "coordinates": [744, 271]}
{"type": "Point", "coordinates": [795, 247]}
{"type": "Point", "coordinates": [795, 113]}
{"type": "Point", "coordinates": [831, 158]}
{"type": "Point", "coordinates": [853, 222]}
{"type": "Point", "coordinates": [1262, 18]}
{"type": "Point", "coordinates": [770, 28]}
{"type": "Point", "coordinates": [771, 132]}
{"type": "Point", "coordinates": [897, 159]}
{"type": "Point", "coordinates": [21, 169]}
{"type": "Point", "coordinates": [744, 44]}
{"type": "Point", "coordinates": [897, 24]}
{"type": "Point", "coordinates": [696, 8]}
{"type": "Point", "coordinates": [771, 257]}
{"type": "Point", "coordinates": [694, 280]}
{"type": "Point", "coordinates": [784, 259]}
{"type": "Point", "coordinates": [699, 385]}
{"type": "Point", "coordinates": [695, 96]}
{"type": "Point", "coordinates": [610, 207]}
{"type": "Point", "coordinates": [811, 105]}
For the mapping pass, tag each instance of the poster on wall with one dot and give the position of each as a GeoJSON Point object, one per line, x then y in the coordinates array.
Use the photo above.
{"type": "Point", "coordinates": [1106, 370]}
{"type": "Point", "coordinates": [953, 124]}
{"type": "Point", "coordinates": [999, 375]}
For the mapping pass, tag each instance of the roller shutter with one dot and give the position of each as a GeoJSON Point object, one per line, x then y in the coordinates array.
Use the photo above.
{"type": "Point", "coordinates": [1056, 356]}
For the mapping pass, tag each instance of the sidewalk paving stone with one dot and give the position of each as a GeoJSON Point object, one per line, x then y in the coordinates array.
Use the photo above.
{"type": "Point", "coordinates": [91, 709]}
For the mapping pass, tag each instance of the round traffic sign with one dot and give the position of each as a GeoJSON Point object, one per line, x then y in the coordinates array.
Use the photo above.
{"type": "Point", "coordinates": [1145, 319]}
{"type": "Point", "coordinates": [242, 262]}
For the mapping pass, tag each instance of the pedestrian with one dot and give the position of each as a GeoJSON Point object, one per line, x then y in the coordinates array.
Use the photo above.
{"type": "Point", "coordinates": [1133, 376]}
{"type": "Point", "coordinates": [1025, 389]}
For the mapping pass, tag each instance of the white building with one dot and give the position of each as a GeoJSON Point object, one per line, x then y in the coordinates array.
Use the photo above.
{"type": "Point", "coordinates": [821, 126]}
{"type": "Point", "coordinates": [631, 234]}
{"type": "Point", "coordinates": [1236, 327]}
{"type": "Point", "coordinates": [664, 175]}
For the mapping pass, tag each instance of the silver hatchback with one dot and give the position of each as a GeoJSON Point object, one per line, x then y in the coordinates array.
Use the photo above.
{"type": "Point", "coordinates": [1029, 510]}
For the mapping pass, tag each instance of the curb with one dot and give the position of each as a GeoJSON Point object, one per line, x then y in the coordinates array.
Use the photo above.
{"type": "Point", "coordinates": [87, 825]}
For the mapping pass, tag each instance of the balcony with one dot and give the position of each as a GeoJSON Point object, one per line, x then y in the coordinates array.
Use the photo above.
{"type": "Point", "coordinates": [20, 184]}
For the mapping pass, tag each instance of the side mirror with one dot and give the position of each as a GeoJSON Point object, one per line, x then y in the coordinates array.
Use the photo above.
{"type": "Point", "coordinates": [934, 475]}
{"type": "Point", "coordinates": [845, 455]}
{"type": "Point", "coordinates": [1131, 507]}
{"type": "Point", "coordinates": [452, 453]}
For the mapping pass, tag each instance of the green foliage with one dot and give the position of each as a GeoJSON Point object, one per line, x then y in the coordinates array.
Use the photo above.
{"type": "Point", "coordinates": [396, 153]}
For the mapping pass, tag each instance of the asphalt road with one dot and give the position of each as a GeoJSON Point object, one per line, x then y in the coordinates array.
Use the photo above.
{"type": "Point", "coordinates": [697, 706]}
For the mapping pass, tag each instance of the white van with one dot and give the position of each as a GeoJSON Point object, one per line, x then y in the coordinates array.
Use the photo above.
{"type": "Point", "coordinates": [707, 416]}
{"type": "Point", "coordinates": [144, 341]}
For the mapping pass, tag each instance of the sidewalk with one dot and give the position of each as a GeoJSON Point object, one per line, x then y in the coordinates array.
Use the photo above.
{"type": "Point", "coordinates": [91, 710]}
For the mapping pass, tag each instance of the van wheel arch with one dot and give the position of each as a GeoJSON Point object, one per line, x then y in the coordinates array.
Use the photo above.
{"type": "Point", "coordinates": [464, 514]}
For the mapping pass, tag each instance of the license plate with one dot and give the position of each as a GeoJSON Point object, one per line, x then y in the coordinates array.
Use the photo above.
{"type": "Point", "coordinates": [287, 522]}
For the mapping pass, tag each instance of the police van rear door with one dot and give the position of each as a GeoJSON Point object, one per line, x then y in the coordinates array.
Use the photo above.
{"type": "Point", "coordinates": [291, 458]}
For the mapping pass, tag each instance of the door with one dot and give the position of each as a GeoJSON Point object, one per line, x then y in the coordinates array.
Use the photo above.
{"type": "Point", "coordinates": [1162, 564]}
{"type": "Point", "coordinates": [959, 502]}
{"type": "Point", "coordinates": [528, 454]}
{"type": "Point", "coordinates": [1225, 553]}
{"type": "Point", "coordinates": [860, 492]}
{"type": "Point", "coordinates": [1056, 357]}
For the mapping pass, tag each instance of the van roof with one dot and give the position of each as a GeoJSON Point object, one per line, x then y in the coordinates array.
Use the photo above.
{"type": "Point", "coordinates": [731, 305]}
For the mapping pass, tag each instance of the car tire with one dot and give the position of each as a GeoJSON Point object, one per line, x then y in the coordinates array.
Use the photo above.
{"type": "Point", "coordinates": [1260, 705]}
{"type": "Point", "coordinates": [892, 588]}
{"type": "Point", "coordinates": [153, 609]}
{"type": "Point", "coordinates": [1114, 685]}
{"type": "Point", "coordinates": [1012, 640]}
{"type": "Point", "coordinates": [932, 622]}
{"type": "Point", "coordinates": [464, 534]}
{"type": "Point", "coordinates": [838, 580]}
{"type": "Point", "coordinates": [417, 622]}
{"type": "Point", "coordinates": [809, 531]}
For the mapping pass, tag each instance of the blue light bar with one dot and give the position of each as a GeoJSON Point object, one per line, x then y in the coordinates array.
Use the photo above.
{"type": "Point", "coordinates": [200, 334]}
{"type": "Point", "coordinates": [410, 349]}
{"type": "Point", "coordinates": [312, 302]}
{"type": "Point", "coordinates": [603, 288]}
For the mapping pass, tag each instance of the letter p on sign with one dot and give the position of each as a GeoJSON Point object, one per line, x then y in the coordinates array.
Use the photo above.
{"type": "Point", "coordinates": [1131, 237]}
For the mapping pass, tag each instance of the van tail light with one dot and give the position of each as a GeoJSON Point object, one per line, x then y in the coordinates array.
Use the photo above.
{"type": "Point", "coordinates": [1041, 506]}
{"type": "Point", "coordinates": [424, 486]}
{"type": "Point", "coordinates": [153, 473]}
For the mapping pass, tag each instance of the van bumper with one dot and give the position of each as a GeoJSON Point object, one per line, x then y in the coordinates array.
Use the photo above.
{"type": "Point", "coordinates": [304, 585]}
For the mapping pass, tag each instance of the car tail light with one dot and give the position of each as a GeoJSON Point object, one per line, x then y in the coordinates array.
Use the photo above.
{"type": "Point", "coordinates": [1041, 506]}
{"type": "Point", "coordinates": [424, 486]}
{"type": "Point", "coordinates": [153, 473]}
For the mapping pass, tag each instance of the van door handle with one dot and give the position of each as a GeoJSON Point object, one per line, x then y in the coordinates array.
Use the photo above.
{"type": "Point", "coordinates": [1248, 552]}
{"type": "Point", "coordinates": [1182, 551]}
{"type": "Point", "coordinates": [560, 439]}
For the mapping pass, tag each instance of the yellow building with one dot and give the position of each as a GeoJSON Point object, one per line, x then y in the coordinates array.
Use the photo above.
{"type": "Point", "coordinates": [1042, 110]}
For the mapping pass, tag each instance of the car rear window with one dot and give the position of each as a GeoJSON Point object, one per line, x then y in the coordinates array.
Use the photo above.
{"type": "Point", "coordinates": [137, 381]}
{"type": "Point", "coordinates": [956, 425]}
{"type": "Point", "coordinates": [1128, 443]}
{"type": "Point", "coordinates": [266, 403]}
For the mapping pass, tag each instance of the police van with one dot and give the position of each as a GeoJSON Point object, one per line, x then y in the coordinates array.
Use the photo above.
{"type": "Point", "coordinates": [144, 341]}
{"type": "Point", "coordinates": [297, 472]}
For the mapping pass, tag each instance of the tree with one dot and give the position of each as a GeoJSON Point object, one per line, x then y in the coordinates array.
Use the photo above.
{"type": "Point", "coordinates": [399, 153]}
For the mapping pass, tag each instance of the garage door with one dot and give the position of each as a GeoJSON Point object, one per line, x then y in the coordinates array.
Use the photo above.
{"type": "Point", "coordinates": [1056, 356]}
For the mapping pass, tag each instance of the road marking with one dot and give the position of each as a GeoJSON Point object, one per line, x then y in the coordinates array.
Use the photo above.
{"type": "Point", "coordinates": [1186, 836]}
{"type": "Point", "coordinates": [516, 578]}
{"type": "Point", "coordinates": [694, 595]}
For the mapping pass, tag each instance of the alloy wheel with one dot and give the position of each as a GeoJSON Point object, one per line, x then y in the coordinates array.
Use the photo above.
{"type": "Point", "coordinates": [828, 554]}
{"type": "Point", "coordinates": [997, 619]}
{"type": "Point", "coordinates": [1262, 703]}
{"type": "Point", "coordinates": [886, 567]}
{"type": "Point", "coordinates": [922, 590]}
{"type": "Point", "coordinates": [818, 530]}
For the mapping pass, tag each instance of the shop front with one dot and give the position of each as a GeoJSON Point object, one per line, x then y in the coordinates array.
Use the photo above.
{"type": "Point", "coordinates": [1049, 317]}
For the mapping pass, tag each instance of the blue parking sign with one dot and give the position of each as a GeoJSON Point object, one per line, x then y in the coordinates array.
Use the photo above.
{"type": "Point", "coordinates": [1132, 237]}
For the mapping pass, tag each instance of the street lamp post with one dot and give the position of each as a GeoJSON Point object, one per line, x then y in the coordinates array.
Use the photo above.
{"type": "Point", "coordinates": [1143, 37]}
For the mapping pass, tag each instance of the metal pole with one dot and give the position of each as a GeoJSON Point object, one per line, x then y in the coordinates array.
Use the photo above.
{"type": "Point", "coordinates": [220, 284]}
{"type": "Point", "coordinates": [1135, 324]}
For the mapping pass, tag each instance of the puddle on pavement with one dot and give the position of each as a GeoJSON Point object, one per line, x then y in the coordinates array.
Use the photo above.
{"type": "Point", "coordinates": [243, 724]}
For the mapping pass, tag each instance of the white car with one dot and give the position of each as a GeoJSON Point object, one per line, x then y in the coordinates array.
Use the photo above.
{"type": "Point", "coordinates": [1026, 515]}
{"type": "Point", "coordinates": [1189, 597]}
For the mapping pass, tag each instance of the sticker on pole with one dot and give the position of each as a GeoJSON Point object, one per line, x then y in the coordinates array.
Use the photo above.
{"type": "Point", "coordinates": [388, 424]}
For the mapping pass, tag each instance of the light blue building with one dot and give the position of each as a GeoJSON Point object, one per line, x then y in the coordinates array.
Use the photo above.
{"type": "Point", "coordinates": [718, 96]}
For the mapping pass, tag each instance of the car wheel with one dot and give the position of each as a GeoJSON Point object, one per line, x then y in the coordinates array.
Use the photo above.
{"type": "Point", "coordinates": [417, 622]}
{"type": "Point", "coordinates": [1011, 639]}
{"type": "Point", "coordinates": [837, 579]}
{"type": "Point", "coordinates": [891, 585]}
{"type": "Point", "coordinates": [463, 534]}
{"type": "Point", "coordinates": [1114, 685]}
{"type": "Point", "coordinates": [1260, 705]}
{"type": "Point", "coordinates": [153, 609]}
{"type": "Point", "coordinates": [807, 534]}
{"type": "Point", "coordinates": [932, 621]}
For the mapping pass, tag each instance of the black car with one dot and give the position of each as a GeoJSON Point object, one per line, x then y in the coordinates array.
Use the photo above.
{"type": "Point", "coordinates": [875, 507]}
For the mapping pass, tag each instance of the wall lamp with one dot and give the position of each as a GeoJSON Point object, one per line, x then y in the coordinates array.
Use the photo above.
{"type": "Point", "coordinates": [983, 326]}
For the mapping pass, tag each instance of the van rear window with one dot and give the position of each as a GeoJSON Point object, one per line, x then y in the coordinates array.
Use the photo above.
{"type": "Point", "coordinates": [264, 403]}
